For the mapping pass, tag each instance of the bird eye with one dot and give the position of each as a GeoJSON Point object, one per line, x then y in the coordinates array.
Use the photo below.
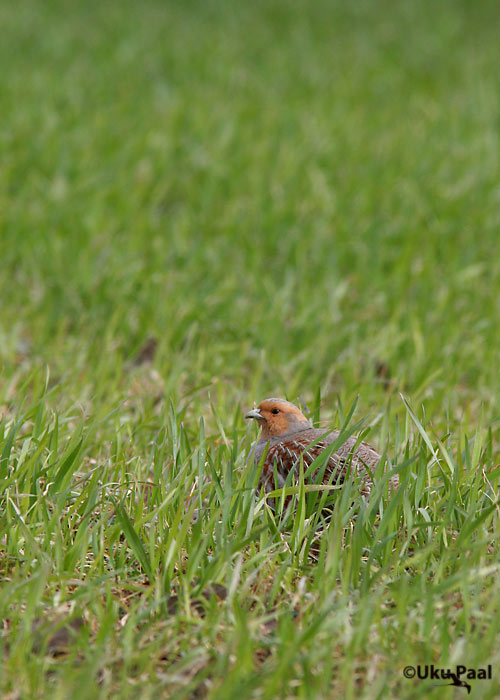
{"type": "Point", "coordinates": [275, 411]}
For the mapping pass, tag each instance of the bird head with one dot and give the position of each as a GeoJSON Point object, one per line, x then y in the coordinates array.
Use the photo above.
{"type": "Point", "coordinates": [278, 417]}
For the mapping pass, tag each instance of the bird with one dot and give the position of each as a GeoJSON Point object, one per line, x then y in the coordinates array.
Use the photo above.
{"type": "Point", "coordinates": [459, 683]}
{"type": "Point", "coordinates": [287, 435]}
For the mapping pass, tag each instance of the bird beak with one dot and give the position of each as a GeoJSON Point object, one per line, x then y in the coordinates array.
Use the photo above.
{"type": "Point", "coordinates": [255, 413]}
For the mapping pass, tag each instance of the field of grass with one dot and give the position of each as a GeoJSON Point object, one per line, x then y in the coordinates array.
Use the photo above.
{"type": "Point", "coordinates": [201, 205]}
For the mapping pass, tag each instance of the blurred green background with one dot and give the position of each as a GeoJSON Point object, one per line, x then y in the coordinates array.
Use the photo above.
{"type": "Point", "coordinates": [284, 194]}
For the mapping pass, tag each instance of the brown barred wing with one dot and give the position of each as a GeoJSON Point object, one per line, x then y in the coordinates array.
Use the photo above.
{"type": "Point", "coordinates": [285, 457]}
{"type": "Point", "coordinates": [331, 473]}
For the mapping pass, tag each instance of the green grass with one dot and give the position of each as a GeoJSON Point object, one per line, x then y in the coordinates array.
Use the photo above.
{"type": "Point", "coordinates": [294, 199]}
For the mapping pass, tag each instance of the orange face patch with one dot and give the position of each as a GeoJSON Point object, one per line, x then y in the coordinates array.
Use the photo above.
{"type": "Point", "coordinates": [277, 417]}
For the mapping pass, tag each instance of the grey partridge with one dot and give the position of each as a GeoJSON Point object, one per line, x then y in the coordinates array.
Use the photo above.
{"type": "Point", "coordinates": [287, 434]}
